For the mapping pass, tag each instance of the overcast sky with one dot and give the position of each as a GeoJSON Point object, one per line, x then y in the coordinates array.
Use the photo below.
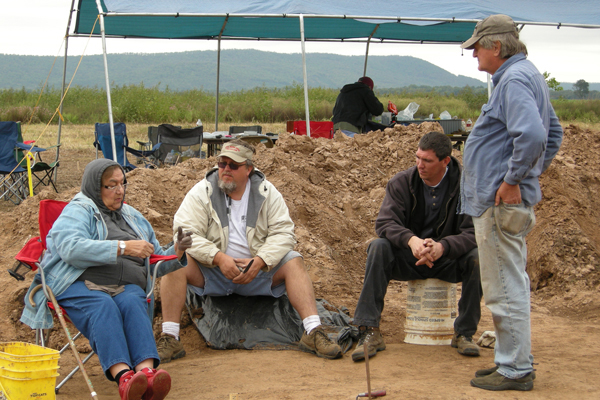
{"type": "Point", "coordinates": [37, 27]}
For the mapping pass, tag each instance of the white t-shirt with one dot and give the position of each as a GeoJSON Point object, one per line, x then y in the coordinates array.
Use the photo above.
{"type": "Point", "coordinates": [238, 243]}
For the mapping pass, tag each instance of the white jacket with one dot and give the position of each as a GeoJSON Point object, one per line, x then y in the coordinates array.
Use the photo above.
{"type": "Point", "coordinates": [269, 228]}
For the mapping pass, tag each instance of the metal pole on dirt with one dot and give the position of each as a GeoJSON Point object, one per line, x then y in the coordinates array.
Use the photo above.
{"type": "Point", "coordinates": [301, 18]}
{"type": "Point", "coordinates": [110, 115]}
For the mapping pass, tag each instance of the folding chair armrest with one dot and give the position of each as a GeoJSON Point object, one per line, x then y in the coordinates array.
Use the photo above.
{"type": "Point", "coordinates": [157, 259]}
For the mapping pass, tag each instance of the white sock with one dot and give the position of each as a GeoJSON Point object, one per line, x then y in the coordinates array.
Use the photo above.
{"type": "Point", "coordinates": [311, 322]}
{"type": "Point", "coordinates": [171, 328]}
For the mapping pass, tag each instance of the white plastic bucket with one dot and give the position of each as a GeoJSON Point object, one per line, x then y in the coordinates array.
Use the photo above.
{"type": "Point", "coordinates": [430, 312]}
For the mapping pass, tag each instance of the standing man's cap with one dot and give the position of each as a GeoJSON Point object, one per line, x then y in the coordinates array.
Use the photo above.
{"type": "Point", "coordinates": [236, 152]}
{"type": "Point", "coordinates": [367, 81]}
{"type": "Point", "coordinates": [492, 25]}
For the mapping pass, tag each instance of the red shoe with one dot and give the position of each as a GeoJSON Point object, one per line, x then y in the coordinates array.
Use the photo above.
{"type": "Point", "coordinates": [159, 384]}
{"type": "Point", "coordinates": [132, 386]}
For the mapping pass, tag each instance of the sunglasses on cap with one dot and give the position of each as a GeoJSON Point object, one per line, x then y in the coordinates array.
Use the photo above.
{"type": "Point", "coordinates": [232, 166]}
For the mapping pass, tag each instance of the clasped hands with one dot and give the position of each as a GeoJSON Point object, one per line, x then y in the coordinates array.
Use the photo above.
{"type": "Point", "coordinates": [426, 251]}
{"type": "Point", "coordinates": [233, 268]}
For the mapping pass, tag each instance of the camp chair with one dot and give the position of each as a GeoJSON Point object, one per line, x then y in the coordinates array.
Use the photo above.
{"type": "Point", "coordinates": [13, 177]}
{"type": "Point", "coordinates": [103, 143]}
{"type": "Point", "coordinates": [184, 143]}
{"type": "Point", "coordinates": [234, 130]}
{"type": "Point", "coordinates": [43, 172]}
{"type": "Point", "coordinates": [318, 129]}
{"type": "Point", "coordinates": [30, 257]}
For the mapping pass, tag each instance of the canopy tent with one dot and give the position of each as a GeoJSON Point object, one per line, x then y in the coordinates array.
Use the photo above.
{"type": "Point", "coordinates": [387, 21]}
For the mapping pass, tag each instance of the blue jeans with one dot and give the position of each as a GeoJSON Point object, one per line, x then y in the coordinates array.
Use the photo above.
{"type": "Point", "coordinates": [500, 233]}
{"type": "Point", "coordinates": [118, 328]}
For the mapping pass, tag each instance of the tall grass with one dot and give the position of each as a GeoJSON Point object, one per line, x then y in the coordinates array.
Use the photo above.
{"type": "Point", "coordinates": [149, 105]}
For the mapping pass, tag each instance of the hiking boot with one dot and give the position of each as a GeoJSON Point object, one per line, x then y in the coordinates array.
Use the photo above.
{"type": "Point", "coordinates": [495, 381]}
{"type": "Point", "coordinates": [132, 385]}
{"type": "Point", "coordinates": [169, 348]}
{"type": "Point", "coordinates": [319, 343]}
{"type": "Point", "coordinates": [489, 371]}
{"type": "Point", "coordinates": [159, 384]}
{"type": "Point", "coordinates": [374, 340]}
{"type": "Point", "coordinates": [465, 345]}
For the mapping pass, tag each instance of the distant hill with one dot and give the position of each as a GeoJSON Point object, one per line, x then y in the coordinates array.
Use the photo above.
{"type": "Point", "coordinates": [240, 70]}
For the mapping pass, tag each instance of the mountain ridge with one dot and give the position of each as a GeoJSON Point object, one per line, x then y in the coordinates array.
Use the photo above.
{"type": "Point", "coordinates": [240, 70]}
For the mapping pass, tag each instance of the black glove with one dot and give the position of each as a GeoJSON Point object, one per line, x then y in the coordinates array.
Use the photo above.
{"type": "Point", "coordinates": [184, 240]}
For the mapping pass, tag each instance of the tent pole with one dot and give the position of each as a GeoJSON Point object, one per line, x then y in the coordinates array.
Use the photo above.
{"type": "Point", "coordinates": [301, 17]}
{"type": "Point", "coordinates": [489, 82]}
{"type": "Point", "coordinates": [219, 73]}
{"type": "Point", "coordinates": [110, 115]}
{"type": "Point", "coordinates": [367, 51]}
{"type": "Point", "coordinates": [62, 89]}
{"type": "Point", "coordinates": [218, 77]}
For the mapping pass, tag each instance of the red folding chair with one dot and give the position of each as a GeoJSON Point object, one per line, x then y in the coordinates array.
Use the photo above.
{"type": "Point", "coordinates": [31, 254]}
{"type": "Point", "coordinates": [318, 129]}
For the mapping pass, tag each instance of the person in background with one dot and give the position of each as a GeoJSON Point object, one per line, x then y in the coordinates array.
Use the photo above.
{"type": "Point", "coordinates": [95, 266]}
{"type": "Point", "coordinates": [512, 143]}
{"type": "Point", "coordinates": [354, 106]}
{"type": "Point", "coordinates": [243, 243]}
{"type": "Point", "coordinates": [421, 236]}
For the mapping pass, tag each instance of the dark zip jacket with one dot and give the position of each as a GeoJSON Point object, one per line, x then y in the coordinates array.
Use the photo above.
{"type": "Point", "coordinates": [402, 213]}
{"type": "Point", "coordinates": [353, 104]}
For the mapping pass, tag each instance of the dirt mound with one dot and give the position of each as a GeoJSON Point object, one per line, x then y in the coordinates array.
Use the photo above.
{"type": "Point", "coordinates": [334, 189]}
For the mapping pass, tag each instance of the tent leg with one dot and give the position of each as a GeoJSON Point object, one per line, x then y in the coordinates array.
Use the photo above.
{"type": "Point", "coordinates": [110, 115]}
{"type": "Point", "coordinates": [367, 50]}
{"type": "Point", "coordinates": [301, 17]}
{"type": "Point", "coordinates": [62, 92]}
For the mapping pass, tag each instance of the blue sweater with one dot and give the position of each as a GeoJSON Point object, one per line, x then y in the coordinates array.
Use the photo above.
{"type": "Point", "coordinates": [514, 140]}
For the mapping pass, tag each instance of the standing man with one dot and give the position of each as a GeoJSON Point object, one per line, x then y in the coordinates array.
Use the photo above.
{"type": "Point", "coordinates": [513, 142]}
{"type": "Point", "coordinates": [421, 237]}
{"type": "Point", "coordinates": [353, 106]}
{"type": "Point", "coordinates": [244, 241]}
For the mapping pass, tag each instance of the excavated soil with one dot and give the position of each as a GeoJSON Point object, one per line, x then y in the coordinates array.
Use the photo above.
{"type": "Point", "coordinates": [334, 189]}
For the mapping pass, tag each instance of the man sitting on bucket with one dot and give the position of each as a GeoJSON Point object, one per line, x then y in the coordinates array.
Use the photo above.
{"type": "Point", "coordinates": [421, 236]}
{"type": "Point", "coordinates": [243, 243]}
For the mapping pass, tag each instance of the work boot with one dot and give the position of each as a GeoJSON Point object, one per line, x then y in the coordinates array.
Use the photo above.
{"type": "Point", "coordinates": [464, 345]}
{"type": "Point", "coordinates": [169, 348]}
{"type": "Point", "coordinates": [132, 385]}
{"type": "Point", "coordinates": [495, 381]}
{"type": "Point", "coordinates": [489, 371]}
{"type": "Point", "coordinates": [374, 340]}
{"type": "Point", "coordinates": [319, 343]}
{"type": "Point", "coordinates": [159, 384]}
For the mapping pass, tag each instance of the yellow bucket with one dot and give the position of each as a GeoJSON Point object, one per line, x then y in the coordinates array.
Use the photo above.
{"type": "Point", "coordinates": [27, 371]}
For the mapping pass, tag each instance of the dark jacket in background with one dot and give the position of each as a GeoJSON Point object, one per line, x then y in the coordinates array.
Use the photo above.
{"type": "Point", "coordinates": [353, 103]}
{"type": "Point", "coordinates": [402, 213]}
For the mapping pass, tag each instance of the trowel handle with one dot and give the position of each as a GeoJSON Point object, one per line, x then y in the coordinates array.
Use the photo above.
{"type": "Point", "coordinates": [374, 393]}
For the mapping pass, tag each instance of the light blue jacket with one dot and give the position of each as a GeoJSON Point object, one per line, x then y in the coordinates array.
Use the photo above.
{"type": "Point", "coordinates": [77, 241]}
{"type": "Point", "coordinates": [514, 140]}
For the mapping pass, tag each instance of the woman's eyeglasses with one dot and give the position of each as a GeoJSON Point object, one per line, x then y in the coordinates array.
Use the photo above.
{"type": "Point", "coordinates": [232, 166]}
{"type": "Point", "coordinates": [124, 186]}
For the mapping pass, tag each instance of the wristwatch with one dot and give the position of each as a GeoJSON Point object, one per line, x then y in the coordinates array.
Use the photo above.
{"type": "Point", "coordinates": [122, 247]}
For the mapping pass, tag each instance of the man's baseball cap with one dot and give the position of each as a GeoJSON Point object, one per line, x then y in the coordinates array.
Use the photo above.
{"type": "Point", "coordinates": [367, 81]}
{"type": "Point", "coordinates": [492, 25]}
{"type": "Point", "coordinates": [236, 152]}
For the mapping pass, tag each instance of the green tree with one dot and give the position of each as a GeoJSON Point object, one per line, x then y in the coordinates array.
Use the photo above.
{"type": "Point", "coordinates": [581, 89]}
{"type": "Point", "coordinates": [552, 83]}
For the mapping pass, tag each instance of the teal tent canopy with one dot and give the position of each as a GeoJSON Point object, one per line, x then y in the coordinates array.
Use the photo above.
{"type": "Point", "coordinates": [385, 21]}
